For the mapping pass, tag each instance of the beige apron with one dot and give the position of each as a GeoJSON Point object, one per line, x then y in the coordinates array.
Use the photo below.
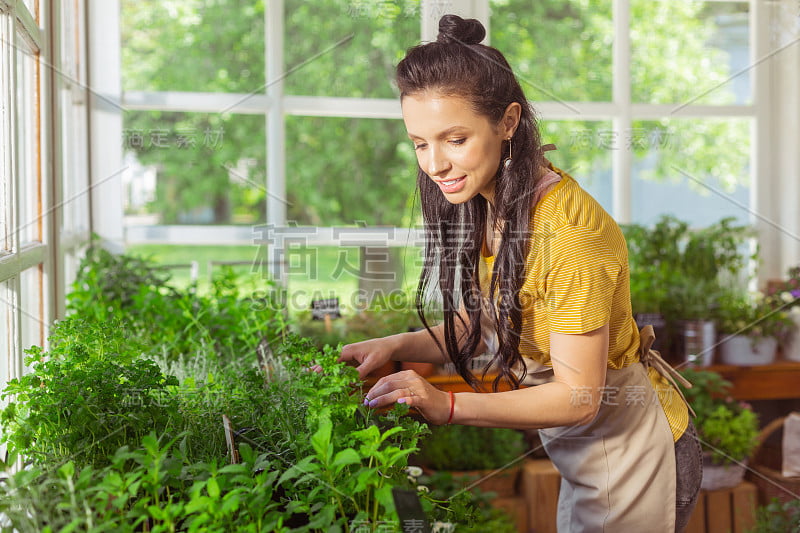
{"type": "Point", "coordinates": [617, 472]}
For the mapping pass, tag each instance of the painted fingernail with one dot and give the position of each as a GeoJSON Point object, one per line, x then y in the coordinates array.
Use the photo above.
{"type": "Point", "coordinates": [401, 400]}
{"type": "Point", "coordinates": [366, 401]}
{"type": "Point", "coordinates": [373, 403]}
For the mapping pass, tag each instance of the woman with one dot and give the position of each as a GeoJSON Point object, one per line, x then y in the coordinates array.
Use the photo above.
{"type": "Point", "coordinates": [529, 267]}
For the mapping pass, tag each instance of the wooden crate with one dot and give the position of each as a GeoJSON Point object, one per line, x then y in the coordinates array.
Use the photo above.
{"type": "Point", "coordinates": [540, 485]}
{"type": "Point", "coordinates": [718, 511]}
{"type": "Point", "coordinates": [725, 510]}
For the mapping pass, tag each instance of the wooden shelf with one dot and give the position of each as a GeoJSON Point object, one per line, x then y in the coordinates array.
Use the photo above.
{"type": "Point", "coordinates": [778, 381]}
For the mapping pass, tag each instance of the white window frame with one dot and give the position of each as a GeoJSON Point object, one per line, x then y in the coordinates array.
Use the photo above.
{"type": "Point", "coordinates": [20, 255]}
{"type": "Point", "coordinates": [771, 97]}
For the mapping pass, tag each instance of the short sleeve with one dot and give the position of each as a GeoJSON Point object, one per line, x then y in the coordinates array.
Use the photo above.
{"type": "Point", "coordinates": [580, 282]}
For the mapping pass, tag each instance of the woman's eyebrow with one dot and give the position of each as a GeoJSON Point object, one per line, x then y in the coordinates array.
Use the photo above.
{"type": "Point", "coordinates": [442, 134]}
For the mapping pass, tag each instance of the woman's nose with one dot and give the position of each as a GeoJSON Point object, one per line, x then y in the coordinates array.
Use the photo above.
{"type": "Point", "coordinates": [437, 164]}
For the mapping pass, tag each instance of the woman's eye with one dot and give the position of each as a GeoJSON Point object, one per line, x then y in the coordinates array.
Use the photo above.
{"type": "Point", "coordinates": [420, 146]}
{"type": "Point", "coordinates": [458, 141]}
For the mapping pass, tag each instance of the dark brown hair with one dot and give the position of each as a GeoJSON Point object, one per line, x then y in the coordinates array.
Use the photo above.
{"type": "Point", "coordinates": [456, 64]}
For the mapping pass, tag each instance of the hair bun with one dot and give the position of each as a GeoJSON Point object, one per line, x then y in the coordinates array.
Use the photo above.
{"type": "Point", "coordinates": [454, 29]}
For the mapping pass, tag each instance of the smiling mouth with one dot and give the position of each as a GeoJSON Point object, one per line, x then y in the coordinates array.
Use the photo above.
{"type": "Point", "coordinates": [452, 182]}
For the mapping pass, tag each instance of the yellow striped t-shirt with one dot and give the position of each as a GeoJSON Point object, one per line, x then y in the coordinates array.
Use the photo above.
{"type": "Point", "coordinates": [577, 280]}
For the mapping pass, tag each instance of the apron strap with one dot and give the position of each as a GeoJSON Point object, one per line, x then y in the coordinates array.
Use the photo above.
{"type": "Point", "coordinates": [650, 357]}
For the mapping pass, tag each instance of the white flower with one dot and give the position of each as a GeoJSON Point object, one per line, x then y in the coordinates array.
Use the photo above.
{"type": "Point", "coordinates": [442, 527]}
{"type": "Point", "coordinates": [787, 297]}
{"type": "Point", "coordinates": [422, 488]}
{"type": "Point", "coordinates": [413, 471]}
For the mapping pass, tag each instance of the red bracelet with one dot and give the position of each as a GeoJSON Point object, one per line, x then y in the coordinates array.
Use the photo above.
{"type": "Point", "coordinates": [452, 407]}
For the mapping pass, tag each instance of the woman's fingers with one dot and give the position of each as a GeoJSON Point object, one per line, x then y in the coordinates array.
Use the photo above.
{"type": "Point", "coordinates": [390, 398]}
{"type": "Point", "coordinates": [406, 387]}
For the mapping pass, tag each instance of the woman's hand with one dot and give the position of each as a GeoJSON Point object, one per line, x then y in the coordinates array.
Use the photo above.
{"type": "Point", "coordinates": [412, 389]}
{"type": "Point", "coordinates": [370, 354]}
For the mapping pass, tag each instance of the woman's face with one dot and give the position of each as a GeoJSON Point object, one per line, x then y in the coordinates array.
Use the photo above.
{"type": "Point", "coordinates": [459, 149]}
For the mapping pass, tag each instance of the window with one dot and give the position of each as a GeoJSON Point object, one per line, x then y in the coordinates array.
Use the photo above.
{"type": "Point", "coordinates": [643, 70]}
{"type": "Point", "coordinates": [21, 184]}
{"type": "Point", "coordinates": [652, 104]}
{"type": "Point", "coordinates": [43, 174]}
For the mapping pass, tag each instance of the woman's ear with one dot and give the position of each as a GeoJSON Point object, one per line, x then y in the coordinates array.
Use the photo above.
{"type": "Point", "coordinates": [510, 120]}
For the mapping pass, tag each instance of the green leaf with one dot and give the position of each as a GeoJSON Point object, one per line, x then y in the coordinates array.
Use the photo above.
{"type": "Point", "coordinates": [321, 440]}
{"type": "Point", "coordinates": [348, 456]}
{"type": "Point", "coordinates": [305, 466]}
{"type": "Point", "coordinates": [213, 488]}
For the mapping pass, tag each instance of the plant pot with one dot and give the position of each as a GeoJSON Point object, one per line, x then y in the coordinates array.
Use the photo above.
{"type": "Point", "coordinates": [722, 476]}
{"type": "Point", "coordinates": [742, 350]}
{"type": "Point", "coordinates": [791, 351]}
{"type": "Point", "coordinates": [699, 339]}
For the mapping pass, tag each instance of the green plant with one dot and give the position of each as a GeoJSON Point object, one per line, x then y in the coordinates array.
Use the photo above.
{"type": "Point", "coordinates": [86, 397]}
{"type": "Point", "coordinates": [446, 501]}
{"type": "Point", "coordinates": [121, 432]}
{"type": "Point", "coordinates": [459, 447]}
{"type": "Point", "coordinates": [145, 487]}
{"type": "Point", "coordinates": [680, 272]}
{"type": "Point", "coordinates": [777, 517]}
{"type": "Point", "coordinates": [727, 429]}
{"type": "Point", "coordinates": [753, 315]}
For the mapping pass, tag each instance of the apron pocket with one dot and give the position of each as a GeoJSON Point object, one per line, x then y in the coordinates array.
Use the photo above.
{"type": "Point", "coordinates": [583, 503]}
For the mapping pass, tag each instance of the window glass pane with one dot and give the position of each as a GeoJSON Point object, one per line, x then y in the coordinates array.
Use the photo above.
{"type": "Point", "coordinates": [6, 147]}
{"type": "Point", "coordinates": [352, 274]}
{"type": "Point", "coordinates": [33, 7]}
{"type": "Point", "coordinates": [74, 162]}
{"type": "Point", "coordinates": [194, 168]}
{"type": "Point", "coordinates": [186, 264]}
{"type": "Point", "coordinates": [560, 50]}
{"type": "Point", "coordinates": [192, 45]}
{"type": "Point", "coordinates": [8, 340]}
{"type": "Point", "coordinates": [30, 221]}
{"type": "Point", "coordinates": [346, 47]}
{"type": "Point", "coordinates": [347, 171]}
{"type": "Point", "coordinates": [7, 347]}
{"type": "Point", "coordinates": [32, 319]}
{"type": "Point", "coordinates": [583, 151]}
{"type": "Point", "coordinates": [690, 52]}
{"type": "Point", "coordinates": [695, 169]}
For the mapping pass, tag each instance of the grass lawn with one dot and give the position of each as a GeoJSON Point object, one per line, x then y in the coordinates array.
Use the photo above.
{"type": "Point", "coordinates": [313, 272]}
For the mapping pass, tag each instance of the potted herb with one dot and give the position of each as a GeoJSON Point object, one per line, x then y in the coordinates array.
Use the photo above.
{"type": "Point", "coordinates": [488, 457]}
{"type": "Point", "coordinates": [677, 274]}
{"type": "Point", "coordinates": [728, 430]}
{"type": "Point", "coordinates": [750, 327]}
{"type": "Point", "coordinates": [788, 292]}
{"type": "Point", "coordinates": [694, 300]}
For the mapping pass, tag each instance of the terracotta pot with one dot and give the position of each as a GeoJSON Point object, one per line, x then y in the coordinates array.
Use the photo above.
{"type": "Point", "coordinates": [723, 476]}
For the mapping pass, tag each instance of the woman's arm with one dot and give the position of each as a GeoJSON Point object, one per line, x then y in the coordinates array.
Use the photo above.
{"type": "Point", "coordinates": [415, 346]}
{"type": "Point", "coordinates": [579, 366]}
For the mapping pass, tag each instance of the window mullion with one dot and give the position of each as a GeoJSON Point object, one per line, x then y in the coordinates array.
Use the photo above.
{"type": "Point", "coordinates": [275, 126]}
{"type": "Point", "coordinates": [622, 157]}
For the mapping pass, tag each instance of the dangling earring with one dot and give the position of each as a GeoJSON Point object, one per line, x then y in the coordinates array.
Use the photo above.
{"type": "Point", "coordinates": [507, 162]}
